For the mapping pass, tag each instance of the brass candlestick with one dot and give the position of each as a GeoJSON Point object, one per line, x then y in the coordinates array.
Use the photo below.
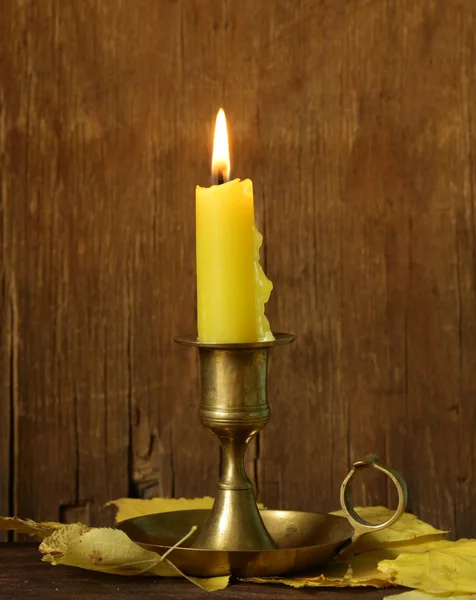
{"type": "Point", "coordinates": [234, 408]}
{"type": "Point", "coordinates": [234, 537]}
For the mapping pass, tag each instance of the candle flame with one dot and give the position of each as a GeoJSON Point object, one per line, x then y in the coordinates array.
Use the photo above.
{"type": "Point", "coordinates": [221, 152]}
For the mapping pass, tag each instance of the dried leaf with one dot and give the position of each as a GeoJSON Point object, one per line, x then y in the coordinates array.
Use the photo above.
{"type": "Point", "coordinates": [360, 571]}
{"type": "Point", "coordinates": [320, 581]}
{"type": "Point", "coordinates": [111, 551]}
{"type": "Point", "coordinates": [405, 554]}
{"type": "Point", "coordinates": [294, 583]}
{"type": "Point", "coordinates": [29, 527]}
{"type": "Point", "coordinates": [59, 541]}
{"type": "Point", "coordinates": [365, 566]}
{"type": "Point", "coordinates": [419, 595]}
{"type": "Point", "coordinates": [356, 571]}
{"type": "Point", "coordinates": [105, 550]}
{"type": "Point", "coordinates": [136, 507]}
{"type": "Point", "coordinates": [127, 508]}
{"type": "Point", "coordinates": [407, 528]}
{"type": "Point", "coordinates": [446, 567]}
{"type": "Point", "coordinates": [210, 584]}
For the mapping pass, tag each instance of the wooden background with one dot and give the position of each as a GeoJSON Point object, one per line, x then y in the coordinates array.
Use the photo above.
{"type": "Point", "coordinates": [356, 121]}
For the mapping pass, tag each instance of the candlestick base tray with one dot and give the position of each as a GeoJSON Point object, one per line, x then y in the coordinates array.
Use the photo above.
{"type": "Point", "coordinates": [303, 540]}
{"type": "Point", "coordinates": [234, 537]}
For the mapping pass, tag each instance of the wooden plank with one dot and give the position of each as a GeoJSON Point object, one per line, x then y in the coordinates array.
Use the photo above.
{"type": "Point", "coordinates": [108, 267]}
{"type": "Point", "coordinates": [438, 193]}
{"type": "Point", "coordinates": [327, 251]}
{"type": "Point", "coordinates": [192, 72]}
{"type": "Point", "coordinates": [34, 196]}
{"type": "Point", "coordinates": [8, 347]}
{"type": "Point", "coordinates": [355, 122]}
{"type": "Point", "coordinates": [465, 232]}
{"type": "Point", "coordinates": [373, 238]}
{"type": "Point", "coordinates": [363, 242]}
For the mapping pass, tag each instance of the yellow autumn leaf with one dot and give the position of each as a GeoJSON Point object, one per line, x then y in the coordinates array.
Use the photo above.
{"type": "Point", "coordinates": [29, 527]}
{"type": "Point", "coordinates": [348, 579]}
{"type": "Point", "coordinates": [59, 541]}
{"type": "Point", "coordinates": [127, 508]}
{"type": "Point", "coordinates": [419, 595]}
{"type": "Point", "coordinates": [106, 550]}
{"type": "Point", "coordinates": [112, 551]}
{"type": "Point", "coordinates": [210, 584]}
{"type": "Point", "coordinates": [446, 567]}
{"type": "Point", "coordinates": [359, 570]}
{"type": "Point", "coordinates": [365, 566]}
{"type": "Point", "coordinates": [102, 549]}
{"type": "Point", "coordinates": [407, 528]}
{"type": "Point", "coordinates": [318, 581]}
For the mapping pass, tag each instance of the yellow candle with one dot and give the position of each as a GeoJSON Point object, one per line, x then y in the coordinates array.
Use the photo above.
{"type": "Point", "coordinates": [232, 288]}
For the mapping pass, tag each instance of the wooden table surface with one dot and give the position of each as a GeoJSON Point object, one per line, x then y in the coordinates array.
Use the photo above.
{"type": "Point", "coordinates": [23, 575]}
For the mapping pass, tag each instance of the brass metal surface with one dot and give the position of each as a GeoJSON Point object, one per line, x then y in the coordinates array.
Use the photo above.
{"type": "Point", "coordinates": [234, 536]}
{"type": "Point", "coordinates": [302, 540]}
{"type": "Point", "coordinates": [234, 408]}
{"type": "Point", "coordinates": [361, 526]}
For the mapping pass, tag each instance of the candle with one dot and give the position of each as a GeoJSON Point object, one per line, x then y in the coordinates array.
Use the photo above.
{"type": "Point", "coordinates": [232, 288]}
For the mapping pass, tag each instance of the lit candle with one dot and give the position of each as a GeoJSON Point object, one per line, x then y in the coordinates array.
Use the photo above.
{"type": "Point", "coordinates": [232, 288]}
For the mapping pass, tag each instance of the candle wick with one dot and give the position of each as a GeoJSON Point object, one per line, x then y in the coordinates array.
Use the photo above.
{"type": "Point", "coordinates": [220, 178]}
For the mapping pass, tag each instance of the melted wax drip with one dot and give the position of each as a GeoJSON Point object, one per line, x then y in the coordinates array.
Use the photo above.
{"type": "Point", "coordinates": [263, 292]}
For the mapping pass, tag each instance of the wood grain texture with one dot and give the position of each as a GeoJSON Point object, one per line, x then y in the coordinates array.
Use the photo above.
{"type": "Point", "coordinates": [23, 575]}
{"type": "Point", "coordinates": [356, 122]}
{"type": "Point", "coordinates": [368, 254]}
{"type": "Point", "coordinates": [436, 140]}
{"type": "Point", "coordinates": [7, 351]}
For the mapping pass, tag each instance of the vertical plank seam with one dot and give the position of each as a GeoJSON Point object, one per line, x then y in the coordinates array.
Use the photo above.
{"type": "Point", "coordinates": [472, 232]}
{"type": "Point", "coordinates": [459, 308]}
{"type": "Point", "coordinates": [11, 473]}
{"type": "Point", "coordinates": [409, 250]}
{"type": "Point", "coordinates": [130, 454]}
{"type": "Point", "coordinates": [409, 238]}
{"type": "Point", "coordinates": [14, 445]}
{"type": "Point", "coordinates": [460, 363]}
{"type": "Point", "coordinates": [457, 401]}
{"type": "Point", "coordinates": [14, 296]}
{"type": "Point", "coordinates": [172, 470]}
{"type": "Point", "coordinates": [9, 341]}
{"type": "Point", "coordinates": [106, 418]}
{"type": "Point", "coordinates": [471, 196]}
{"type": "Point", "coordinates": [77, 436]}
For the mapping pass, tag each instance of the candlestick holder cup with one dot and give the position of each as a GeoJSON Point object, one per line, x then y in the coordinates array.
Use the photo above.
{"type": "Point", "coordinates": [235, 537]}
